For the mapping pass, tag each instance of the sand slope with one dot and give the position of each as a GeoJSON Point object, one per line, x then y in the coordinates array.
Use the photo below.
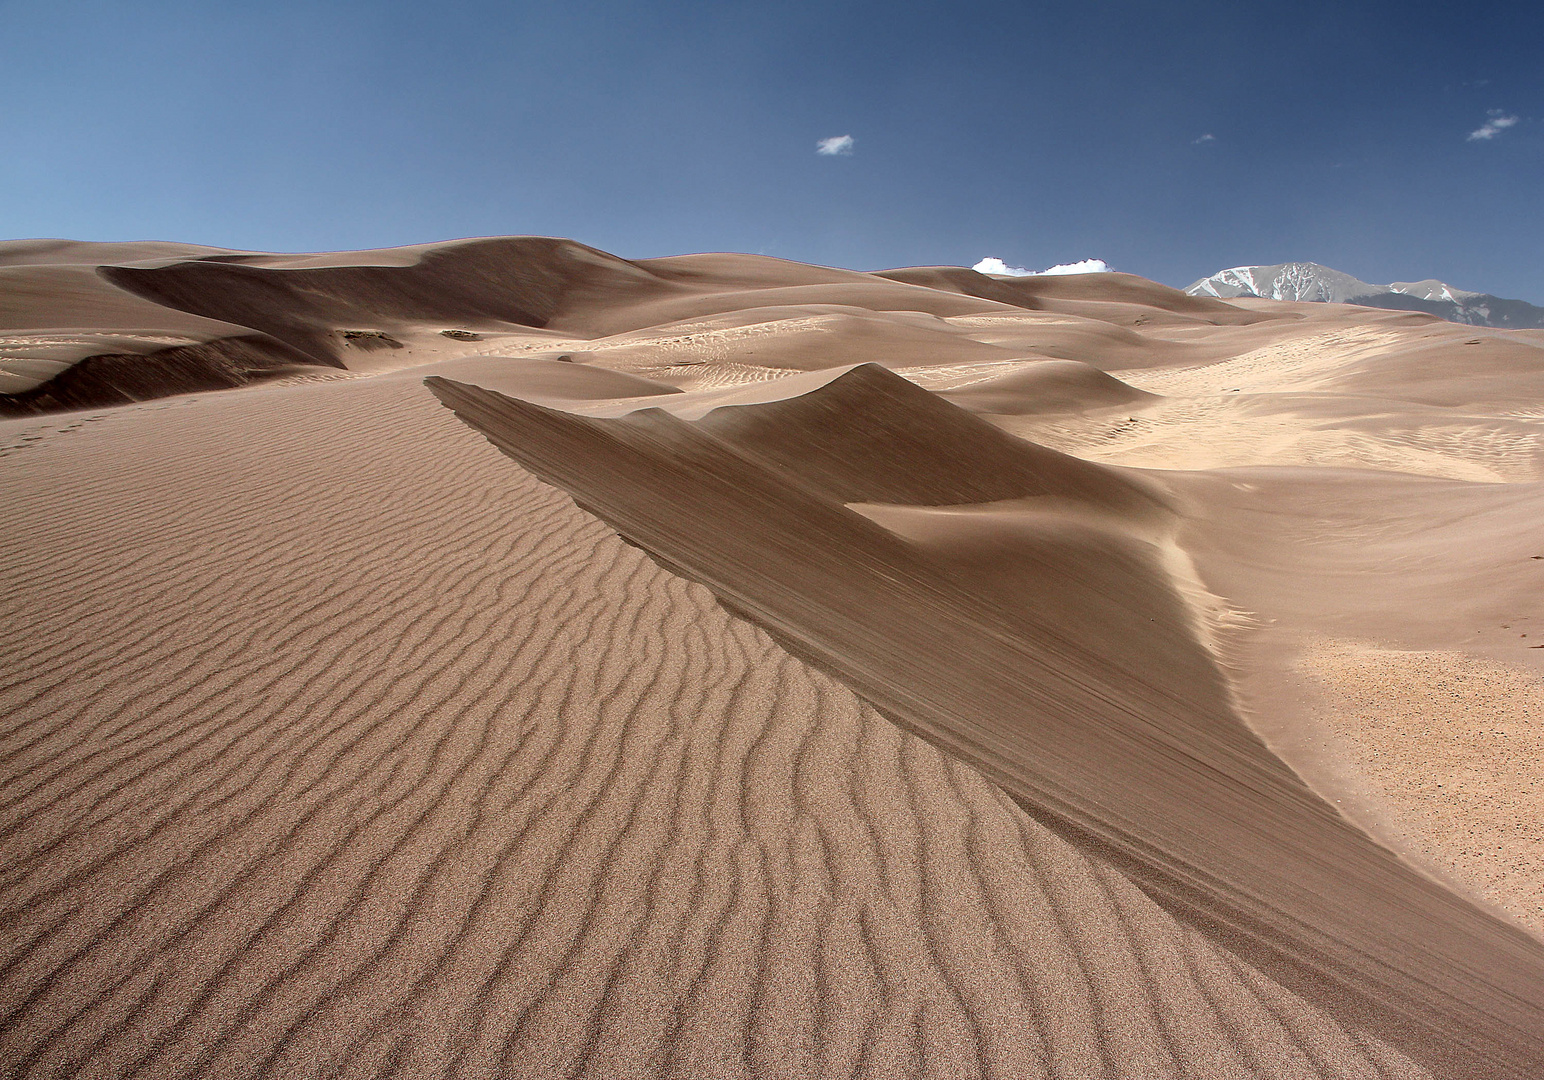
{"type": "Point", "coordinates": [1124, 749]}
{"type": "Point", "coordinates": [109, 323]}
{"type": "Point", "coordinates": [337, 743]}
{"type": "Point", "coordinates": [374, 755]}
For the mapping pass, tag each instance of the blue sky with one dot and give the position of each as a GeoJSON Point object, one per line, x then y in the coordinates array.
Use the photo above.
{"type": "Point", "coordinates": [1039, 133]}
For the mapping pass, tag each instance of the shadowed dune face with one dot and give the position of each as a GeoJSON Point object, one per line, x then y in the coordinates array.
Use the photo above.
{"type": "Point", "coordinates": [54, 315]}
{"type": "Point", "coordinates": [405, 307]}
{"type": "Point", "coordinates": [1156, 775]}
{"type": "Point", "coordinates": [332, 311]}
{"type": "Point", "coordinates": [870, 436]}
{"type": "Point", "coordinates": [999, 678]}
{"type": "Point", "coordinates": [491, 284]}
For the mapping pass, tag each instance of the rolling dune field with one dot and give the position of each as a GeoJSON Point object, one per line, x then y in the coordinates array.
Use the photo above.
{"type": "Point", "coordinates": [499, 658]}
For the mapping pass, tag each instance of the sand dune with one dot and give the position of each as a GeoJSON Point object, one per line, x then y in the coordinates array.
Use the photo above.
{"type": "Point", "coordinates": [1153, 774]}
{"type": "Point", "coordinates": [1086, 294]}
{"type": "Point", "coordinates": [1050, 386]}
{"type": "Point", "coordinates": [840, 681]}
{"type": "Point", "coordinates": [55, 315]}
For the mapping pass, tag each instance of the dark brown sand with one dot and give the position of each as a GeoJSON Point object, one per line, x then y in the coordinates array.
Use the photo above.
{"type": "Point", "coordinates": [337, 743]}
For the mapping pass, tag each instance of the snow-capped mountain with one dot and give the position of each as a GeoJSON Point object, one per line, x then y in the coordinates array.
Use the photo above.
{"type": "Point", "coordinates": [1310, 281]}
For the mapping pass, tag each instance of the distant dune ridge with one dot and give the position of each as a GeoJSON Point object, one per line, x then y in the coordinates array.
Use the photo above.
{"type": "Point", "coordinates": [836, 674]}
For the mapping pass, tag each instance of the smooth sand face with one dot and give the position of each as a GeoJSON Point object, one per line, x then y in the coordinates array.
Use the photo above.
{"type": "Point", "coordinates": [338, 743]}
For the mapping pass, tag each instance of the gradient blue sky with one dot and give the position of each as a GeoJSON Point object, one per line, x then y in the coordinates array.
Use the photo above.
{"type": "Point", "coordinates": [1040, 133]}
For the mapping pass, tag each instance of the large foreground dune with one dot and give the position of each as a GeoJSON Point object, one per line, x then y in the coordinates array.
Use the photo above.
{"type": "Point", "coordinates": [759, 670]}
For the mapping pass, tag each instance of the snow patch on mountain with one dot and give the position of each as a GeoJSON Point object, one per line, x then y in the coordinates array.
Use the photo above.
{"type": "Point", "coordinates": [1306, 281]}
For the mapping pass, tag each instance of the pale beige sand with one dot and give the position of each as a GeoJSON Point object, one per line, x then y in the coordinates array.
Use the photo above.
{"type": "Point", "coordinates": [1448, 749]}
{"type": "Point", "coordinates": [336, 744]}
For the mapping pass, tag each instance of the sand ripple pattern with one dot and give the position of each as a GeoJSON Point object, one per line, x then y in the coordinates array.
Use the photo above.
{"type": "Point", "coordinates": [372, 756]}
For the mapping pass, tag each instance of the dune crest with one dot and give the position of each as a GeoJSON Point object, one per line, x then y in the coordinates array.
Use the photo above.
{"type": "Point", "coordinates": [1161, 779]}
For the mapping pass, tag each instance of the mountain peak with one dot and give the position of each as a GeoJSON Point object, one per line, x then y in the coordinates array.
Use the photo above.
{"type": "Point", "coordinates": [1283, 281]}
{"type": "Point", "coordinates": [1309, 281]}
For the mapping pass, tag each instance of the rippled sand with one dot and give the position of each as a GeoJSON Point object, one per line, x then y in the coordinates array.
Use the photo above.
{"type": "Point", "coordinates": [888, 743]}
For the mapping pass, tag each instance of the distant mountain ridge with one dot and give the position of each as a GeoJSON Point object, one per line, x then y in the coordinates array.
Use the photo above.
{"type": "Point", "coordinates": [1312, 282]}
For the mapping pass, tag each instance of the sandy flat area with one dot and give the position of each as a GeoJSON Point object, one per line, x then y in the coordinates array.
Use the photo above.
{"type": "Point", "coordinates": [759, 670]}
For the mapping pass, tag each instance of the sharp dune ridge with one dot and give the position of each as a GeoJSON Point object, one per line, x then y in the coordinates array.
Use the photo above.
{"type": "Point", "coordinates": [851, 675]}
{"type": "Point", "coordinates": [1155, 777]}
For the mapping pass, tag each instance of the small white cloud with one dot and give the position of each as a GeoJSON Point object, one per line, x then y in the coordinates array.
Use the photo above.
{"type": "Point", "coordinates": [1497, 123]}
{"type": "Point", "coordinates": [835, 146]}
{"type": "Point", "coordinates": [1208, 137]}
{"type": "Point", "coordinates": [992, 265]}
